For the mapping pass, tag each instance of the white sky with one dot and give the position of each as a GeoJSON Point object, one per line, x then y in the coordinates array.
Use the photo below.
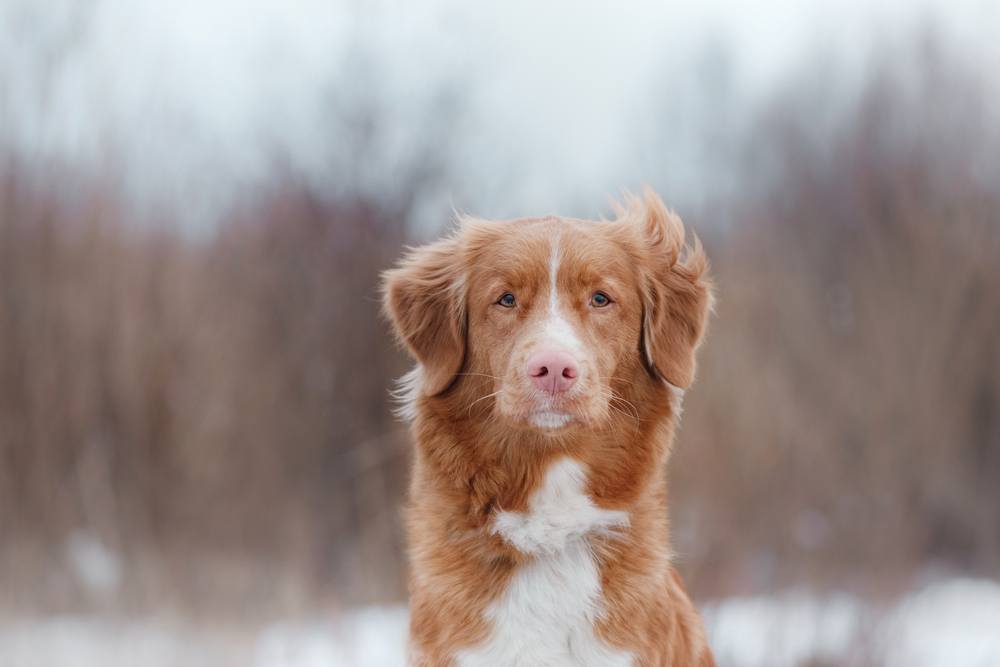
{"type": "Point", "coordinates": [195, 100]}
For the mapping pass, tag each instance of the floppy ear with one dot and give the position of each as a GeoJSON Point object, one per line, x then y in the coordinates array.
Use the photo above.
{"type": "Point", "coordinates": [677, 295]}
{"type": "Point", "coordinates": [424, 298]}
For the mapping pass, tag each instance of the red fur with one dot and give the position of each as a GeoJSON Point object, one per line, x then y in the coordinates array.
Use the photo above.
{"type": "Point", "coordinates": [478, 451]}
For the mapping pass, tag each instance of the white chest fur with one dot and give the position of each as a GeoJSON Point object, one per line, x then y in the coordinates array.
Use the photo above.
{"type": "Point", "coordinates": [546, 616]}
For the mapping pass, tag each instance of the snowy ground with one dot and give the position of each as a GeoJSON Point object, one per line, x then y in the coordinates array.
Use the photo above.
{"type": "Point", "coordinates": [949, 624]}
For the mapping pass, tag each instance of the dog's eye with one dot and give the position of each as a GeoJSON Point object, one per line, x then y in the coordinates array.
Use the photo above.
{"type": "Point", "coordinates": [599, 300]}
{"type": "Point", "coordinates": [507, 300]}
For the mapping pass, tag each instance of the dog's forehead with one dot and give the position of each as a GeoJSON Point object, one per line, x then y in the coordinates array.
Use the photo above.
{"type": "Point", "coordinates": [532, 247]}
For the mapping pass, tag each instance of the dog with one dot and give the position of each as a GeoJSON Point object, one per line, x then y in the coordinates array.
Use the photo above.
{"type": "Point", "coordinates": [551, 359]}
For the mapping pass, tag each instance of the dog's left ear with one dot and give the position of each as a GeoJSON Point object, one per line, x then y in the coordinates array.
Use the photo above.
{"type": "Point", "coordinates": [677, 295]}
{"type": "Point", "coordinates": [424, 298]}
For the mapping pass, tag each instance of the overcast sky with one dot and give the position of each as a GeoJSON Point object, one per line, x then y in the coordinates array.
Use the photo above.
{"type": "Point", "coordinates": [552, 101]}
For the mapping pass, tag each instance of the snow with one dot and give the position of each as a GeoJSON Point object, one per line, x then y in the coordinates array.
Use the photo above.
{"type": "Point", "coordinates": [96, 566]}
{"type": "Point", "coordinates": [785, 630]}
{"type": "Point", "coordinates": [954, 622]}
{"type": "Point", "coordinates": [374, 637]}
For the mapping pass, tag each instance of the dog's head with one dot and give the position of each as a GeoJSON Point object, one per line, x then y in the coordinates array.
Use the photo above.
{"type": "Point", "coordinates": [553, 323]}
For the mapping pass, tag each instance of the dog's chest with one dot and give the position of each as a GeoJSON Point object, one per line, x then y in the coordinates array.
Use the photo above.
{"type": "Point", "coordinates": [546, 616]}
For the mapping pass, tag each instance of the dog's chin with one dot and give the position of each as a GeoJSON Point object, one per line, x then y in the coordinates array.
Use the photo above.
{"type": "Point", "coordinates": [556, 420]}
{"type": "Point", "coordinates": [551, 420]}
{"type": "Point", "coordinates": [548, 415]}
{"type": "Point", "coordinates": [546, 419]}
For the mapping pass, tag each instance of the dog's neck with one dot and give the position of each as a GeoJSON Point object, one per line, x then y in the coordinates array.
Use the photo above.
{"type": "Point", "coordinates": [502, 467]}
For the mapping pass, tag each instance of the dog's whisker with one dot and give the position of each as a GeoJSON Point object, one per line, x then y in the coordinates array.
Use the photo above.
{"type": "Point", "coordinates": [613, 396]}
{"type": "Point", "coordinates": [629, 411]}
{"type": "Point", "coordinates": [622, 412]}
{"type": "Point", "coordinates": [483, 398]}
{"type": "Point", "coordinates": [485, 375]}
{"type": "Point", "coordinates": [619, 379]}
{"type": "Point", "coordinates": [628, 404]}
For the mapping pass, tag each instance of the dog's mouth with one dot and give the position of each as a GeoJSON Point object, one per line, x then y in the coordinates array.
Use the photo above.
{"type": "Point", "coordinates": [550, 420]}
{"type": "Point", "coordinates": [546, 412]}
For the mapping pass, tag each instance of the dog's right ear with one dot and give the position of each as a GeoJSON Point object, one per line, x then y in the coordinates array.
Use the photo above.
{"type": "Point", "coordinates": [424, 298]}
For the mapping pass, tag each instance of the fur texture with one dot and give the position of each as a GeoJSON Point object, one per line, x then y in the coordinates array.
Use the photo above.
{"type": "Point", "coordinates": [537, 519]}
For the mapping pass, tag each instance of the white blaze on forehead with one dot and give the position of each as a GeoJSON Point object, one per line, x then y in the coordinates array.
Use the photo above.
{"type": "Point", "coordinates": [553, 277]}
{"type": "Point", "coordinates": [556, 329]}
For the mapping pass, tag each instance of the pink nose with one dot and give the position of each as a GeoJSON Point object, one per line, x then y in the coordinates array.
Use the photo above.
{"type": "Point", "coordinates": [552, 370]}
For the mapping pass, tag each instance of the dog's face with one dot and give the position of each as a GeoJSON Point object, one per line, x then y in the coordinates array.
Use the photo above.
{"type": "Point", "coordinates": [554, 324]}
{"type": "Point", "coordinates": [554, 313]}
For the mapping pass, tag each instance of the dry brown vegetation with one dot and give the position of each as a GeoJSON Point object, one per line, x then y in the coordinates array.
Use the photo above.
{"type": "Point", "coordinates": [845, 430]}
{"type": "Point", "coordinates": [207, 409]}
{"type": "Point", "coordinates": [214, 410]}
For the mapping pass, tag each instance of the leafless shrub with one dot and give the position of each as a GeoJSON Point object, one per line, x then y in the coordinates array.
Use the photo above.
{"type": "Point", "coordinates": [844, 431]}
{"type": "Point", "coordinates": [203, 421]}
{"type": "Point", "coordinates": [187, 401]}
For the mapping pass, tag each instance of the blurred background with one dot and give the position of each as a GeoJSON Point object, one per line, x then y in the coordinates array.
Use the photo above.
{"type": "Point", "coordinates": [198, 461]}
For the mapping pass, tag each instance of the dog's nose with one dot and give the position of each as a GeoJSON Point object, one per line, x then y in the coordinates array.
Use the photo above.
{"type": "Point", "coordinates": [553, 370]}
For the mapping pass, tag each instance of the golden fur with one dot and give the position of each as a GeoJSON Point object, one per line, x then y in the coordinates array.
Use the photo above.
{"type": "Point", "coordinates": [478, 453]}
